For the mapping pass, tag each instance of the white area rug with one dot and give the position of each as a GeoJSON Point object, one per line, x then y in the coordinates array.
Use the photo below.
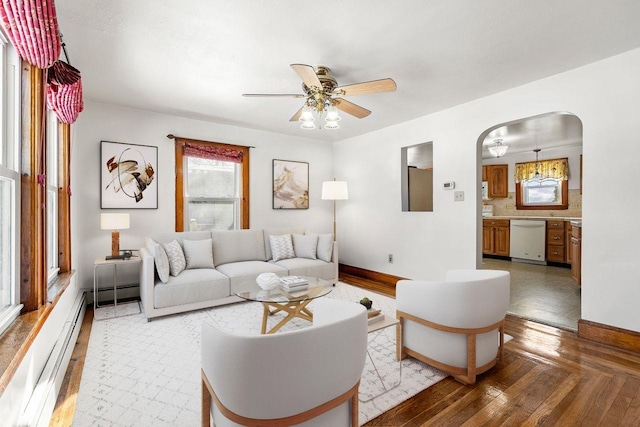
{"type": "Point", "coordinates": [140, 373]}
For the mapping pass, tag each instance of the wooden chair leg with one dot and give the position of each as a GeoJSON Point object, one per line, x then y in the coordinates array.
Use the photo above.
{"type": "Point", "coordinates": [354, 410]}
{"type": "Point", "coordinates": [206, 404]}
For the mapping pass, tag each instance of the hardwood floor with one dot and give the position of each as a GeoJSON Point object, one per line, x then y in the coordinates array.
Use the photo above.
{"type": "Point", "coordinates": [548, 377]}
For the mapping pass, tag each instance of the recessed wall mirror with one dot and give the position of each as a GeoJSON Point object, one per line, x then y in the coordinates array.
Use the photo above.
{"type": "Point", "coordinates": [417, 177]}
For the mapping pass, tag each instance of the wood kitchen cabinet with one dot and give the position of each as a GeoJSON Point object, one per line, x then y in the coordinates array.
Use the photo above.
{"type": "Point", "coordinates": [497, 177]}
{"type": "Point", "coordinates": [495, 237]}
{"type": "Point", "coordinates": [556, 242]}
{"type": "Point", "coordinates": [576, 252]}
{"type": "Point", "coordinates": [567, 241]}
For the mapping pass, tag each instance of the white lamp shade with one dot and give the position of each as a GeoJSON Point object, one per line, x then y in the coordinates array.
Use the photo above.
{"type": "Point", "coordinates": [114, 221]}
{"type": "Point", "coordinates": [307, 114]}
{"type": "Point", "coordinates": [331, 125]}
{"type": "Point", "coordinates": [332, 114]}
{"type": "Point", "coordinates": [335, 190]}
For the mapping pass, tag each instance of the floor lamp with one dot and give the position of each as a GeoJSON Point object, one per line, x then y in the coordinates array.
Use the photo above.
{"type": "Point", "coordinates": [334, 190]}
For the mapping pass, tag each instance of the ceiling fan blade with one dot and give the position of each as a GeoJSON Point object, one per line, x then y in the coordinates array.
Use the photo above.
{"type": "Point", "coordinates": [307, 74]}
{"type": "Point", "coordinates": [278, 95]}
{"type": "Point", "coordinates": [296, 116]}
{"type": "Point", "coordinates": [375, 86]}
{"type": "Point", "coordinates": [351, 108]}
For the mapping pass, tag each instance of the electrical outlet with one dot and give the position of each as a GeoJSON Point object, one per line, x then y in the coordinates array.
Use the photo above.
{"type": "Point", "coordinates": [390, 258]}
{"type": "Point", "coordinates": [458, 196]}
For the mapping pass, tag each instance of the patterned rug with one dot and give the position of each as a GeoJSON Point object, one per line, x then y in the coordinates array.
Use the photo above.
{"type": "Point", "coordinates": [140, 373]}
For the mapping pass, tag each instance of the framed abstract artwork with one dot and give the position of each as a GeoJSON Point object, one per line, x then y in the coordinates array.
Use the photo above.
{"type": "Point", "coordinates": [128, 176]}
{"type": "Point", "coordinates": [290, 184]}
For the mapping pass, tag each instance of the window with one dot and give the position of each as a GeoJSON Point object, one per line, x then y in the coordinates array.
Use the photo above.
{"type": "Point", "coordinates": [542, 184]}
{"type": "Point", "coordinates": [212, 194]}
{"type": "Point", "coordinates": [212, 185]}
{"type": "Point", "coordinates": [9, 184]}
{"type": "Point", "coordinates": [52, 194]}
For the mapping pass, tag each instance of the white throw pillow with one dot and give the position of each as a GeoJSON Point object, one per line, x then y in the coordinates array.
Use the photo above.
{"type": "Point", "coordinates": [177, 263]}
{"type": "Point", "coordinates": [325, 246]}
{"type": "Point", "coordinates": [305, 246]}
{"type": "Point", "coordinates": [281, 247]}
{"type": "Point", "coordinates": [160, 258]}
{"type": "Point", "coordinates": [198, 253]}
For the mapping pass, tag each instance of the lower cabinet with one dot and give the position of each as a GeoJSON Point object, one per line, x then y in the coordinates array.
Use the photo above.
{"type": "Point", "coordinates": [495, 237]}
{"type": "Point", "coordinates": [576, 253]}
{"type": "Point", "coordinates": [556, 241]}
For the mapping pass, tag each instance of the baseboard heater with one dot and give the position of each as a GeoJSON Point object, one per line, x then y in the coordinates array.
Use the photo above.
{"type": "Point", "coordinates": [43, 400]}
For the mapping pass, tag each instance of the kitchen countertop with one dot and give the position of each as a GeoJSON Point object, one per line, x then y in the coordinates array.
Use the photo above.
{"type": "Point", "coordinates": [540, 218]}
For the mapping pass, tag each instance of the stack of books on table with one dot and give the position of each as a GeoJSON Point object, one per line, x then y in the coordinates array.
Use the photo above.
{"type": "Point", "coordinates": [374, 315]}
{"type": "Point", "coordinates": [293, 283]}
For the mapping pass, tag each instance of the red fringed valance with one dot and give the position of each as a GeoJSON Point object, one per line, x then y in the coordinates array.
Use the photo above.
{"type": "Point", "coordinates": [65, 101]}
{"type": "Point", "coordinates": [32, 27]}
{"type": "Point", "coordinates": [212, 152]}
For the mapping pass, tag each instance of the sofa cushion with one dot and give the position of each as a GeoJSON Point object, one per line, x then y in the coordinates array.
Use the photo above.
{"type": "Point", "coordinates": [203, 284]}
{"type": "Point", "coordinates": [242, 275]}
{"type": "Point", "coordinates": [179, 236]}
{"type": "Point", "coordinates": [238, 245]}
{"type": "Point", "coordinates": [281, 247]}
{"type": "Point", "coordinates": [278, 232]}
{"type": "Point", "coordinates": [177, 263]}
{"type": "Point", "coordinates": [160, 258]}
{"type": "Point", "coordinates": [325, 246]}
{"type": "Point", "coordinates": [305, 246]}
{"type": "Point", "coordinates": [308, 267]}
{"type": "Point", "coordinates": [198, 253]}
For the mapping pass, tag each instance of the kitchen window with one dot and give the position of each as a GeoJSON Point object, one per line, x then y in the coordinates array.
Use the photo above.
{"type": "Point", "coordinates": [542, 184]}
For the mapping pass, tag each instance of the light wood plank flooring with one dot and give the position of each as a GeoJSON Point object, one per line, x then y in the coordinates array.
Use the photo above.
{"type": "Point", "coordinates": [548, 377]}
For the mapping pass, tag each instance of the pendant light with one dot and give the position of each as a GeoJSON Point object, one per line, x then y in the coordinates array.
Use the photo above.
{"type": "Point", "coordinates": [498, 148]}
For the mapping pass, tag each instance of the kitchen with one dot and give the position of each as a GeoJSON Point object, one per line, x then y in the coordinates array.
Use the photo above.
{"type": "Point", "coordinates": [532, 211]}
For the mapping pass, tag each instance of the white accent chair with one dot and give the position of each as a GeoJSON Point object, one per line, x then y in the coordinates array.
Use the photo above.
{"type": "Point", "coordinates": [308, 376]}
{"type": "Point", "coordinates": [455, 325]}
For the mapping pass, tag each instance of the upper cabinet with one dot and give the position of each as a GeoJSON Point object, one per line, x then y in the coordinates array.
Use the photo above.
{"type": "Point", "coordinates": [497, 177]}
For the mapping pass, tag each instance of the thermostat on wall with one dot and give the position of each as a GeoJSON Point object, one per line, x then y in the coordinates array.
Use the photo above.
{"type": "Point", "coordinates": [449, 185]}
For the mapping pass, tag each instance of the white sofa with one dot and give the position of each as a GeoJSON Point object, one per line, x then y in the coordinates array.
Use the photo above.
{"type": "Point", "coordinates": [238, 257]}
{"type": "Point", "coordinates": [308, 377]}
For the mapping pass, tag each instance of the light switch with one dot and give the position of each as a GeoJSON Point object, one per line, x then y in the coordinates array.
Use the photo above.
{"type": "Point", "coordinates": [458, 196]}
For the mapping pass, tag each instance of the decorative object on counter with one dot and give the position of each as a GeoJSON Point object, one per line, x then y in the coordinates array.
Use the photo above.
{"type": "Point", "coordinates": [366, 302]}
{"type": "Point", "coordinates": [498, 148]}
{"type": "Point", "coordinates": [268, 281]}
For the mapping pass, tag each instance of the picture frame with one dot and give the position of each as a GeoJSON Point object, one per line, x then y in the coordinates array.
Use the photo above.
{"type": "Point", "coordinates": [128, 176]}
{"type": "Point", "coordinates": [290, 184]}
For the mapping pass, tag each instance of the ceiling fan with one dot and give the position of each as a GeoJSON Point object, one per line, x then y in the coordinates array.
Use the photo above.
{"type": "Point", "coordinates": [323, 95]}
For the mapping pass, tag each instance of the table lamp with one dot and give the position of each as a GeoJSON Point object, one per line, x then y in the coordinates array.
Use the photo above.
{"type": "Point", "coordinates": [334, 190]}
{"type": "Point", "coordinates": [115, 222]}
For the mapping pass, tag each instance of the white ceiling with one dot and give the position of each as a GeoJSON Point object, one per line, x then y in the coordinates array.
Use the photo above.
{"type": "Point", "coordinates": [196, 58]}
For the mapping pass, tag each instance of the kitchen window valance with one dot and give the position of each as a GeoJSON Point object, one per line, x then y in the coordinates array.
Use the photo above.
{"type": "Point", "coordinates": [553, 168]}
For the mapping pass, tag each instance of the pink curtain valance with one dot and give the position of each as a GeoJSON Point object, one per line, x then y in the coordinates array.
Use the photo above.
{"type": "Point", "coordinates": [212, 152]}
{"type": "Point", "coordinates": [65, 101]}
{"type": "Point", "coordinates": [32, 27]}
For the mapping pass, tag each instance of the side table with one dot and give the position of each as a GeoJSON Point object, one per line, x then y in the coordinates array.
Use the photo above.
{"type": "Point", "coordinates": [102, 262]}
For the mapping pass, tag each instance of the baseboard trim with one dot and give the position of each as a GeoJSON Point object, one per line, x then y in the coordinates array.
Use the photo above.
{"type": "Point", "coordinates": [387, 282]}
{"type": "Point", "coordinates": [610, 335]}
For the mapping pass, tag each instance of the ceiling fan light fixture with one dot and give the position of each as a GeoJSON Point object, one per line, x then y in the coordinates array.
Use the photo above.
{"type": "Point", "coordinates": [332, 114]}
{"type": "Point", "coordinates": [308, 124]}
{"type": "Point", "coordinates": [498, 149]}
{"type": "Point", "coordinates": [307, 115]}
{"type": "Point", "coordinates": [331, 124]}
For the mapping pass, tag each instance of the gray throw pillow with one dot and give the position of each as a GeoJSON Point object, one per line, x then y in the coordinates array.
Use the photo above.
{"type": "Point", "coordinates": [305, 246]}
{"type": "Point", "coordinates": [177, 263]}
{"type": "Point", "coordinates": [325, 247]}
{"type": "Point", "coordinates": [281, 247]}
{"type": "Point", "coordinates": [160, 258]}
{"type": "Point", "coordinates": [198, 253]}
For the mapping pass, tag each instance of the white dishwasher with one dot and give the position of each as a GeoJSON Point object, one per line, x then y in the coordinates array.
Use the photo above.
{"type": "Point", "coordinates": [527, 240]}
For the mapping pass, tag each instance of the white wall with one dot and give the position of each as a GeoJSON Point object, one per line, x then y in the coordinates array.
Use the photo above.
{"type": "Point", "coordinates": [604, 95]}
{"type": "Point", "coordinates": [106, 122]}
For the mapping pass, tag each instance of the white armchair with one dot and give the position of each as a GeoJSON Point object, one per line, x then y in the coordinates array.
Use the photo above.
{"type": "Point", "coordinates": [455, 325]}
{"type": "Point", "coordinates": [309, 376]}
